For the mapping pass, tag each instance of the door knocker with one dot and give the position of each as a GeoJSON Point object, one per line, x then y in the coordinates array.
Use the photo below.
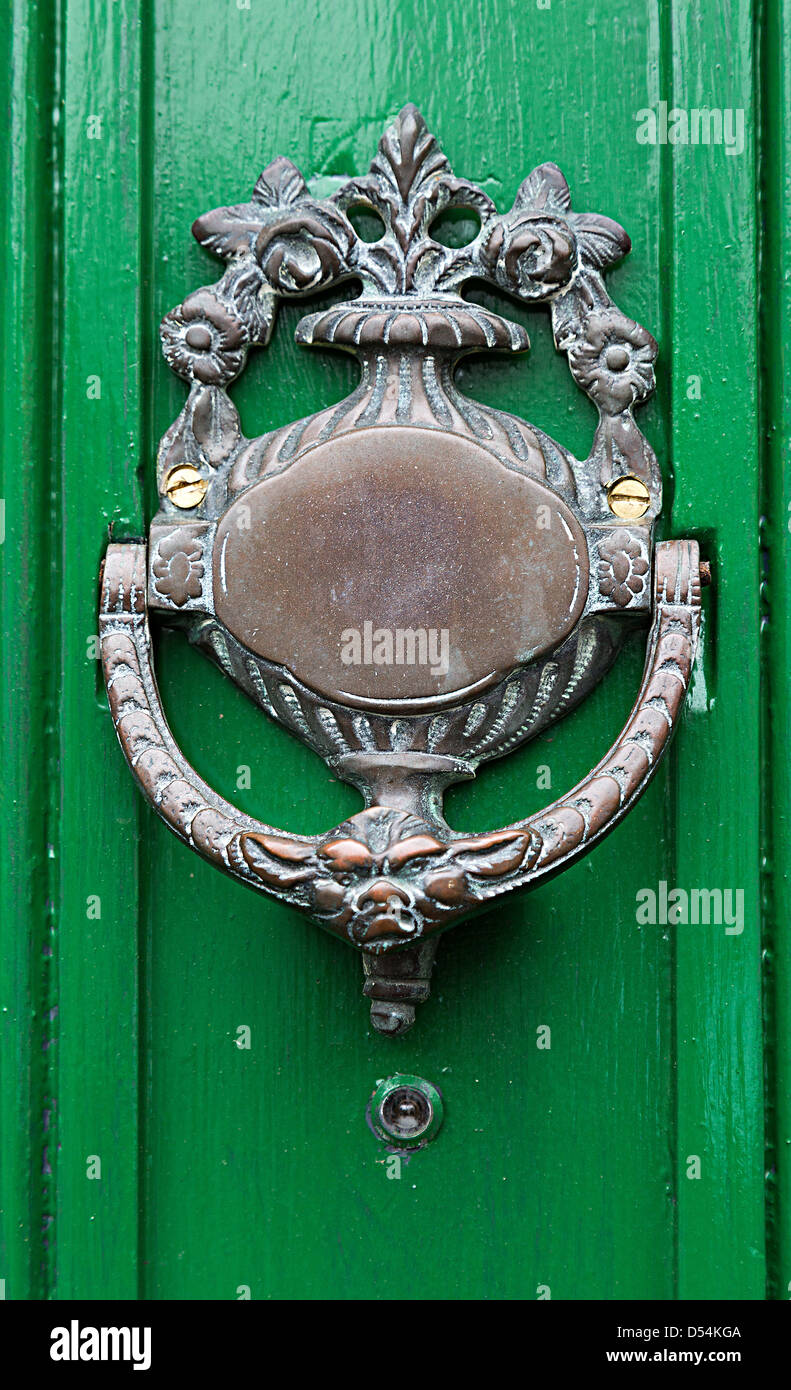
{"type": "Point", "coordinates": [409, 581]}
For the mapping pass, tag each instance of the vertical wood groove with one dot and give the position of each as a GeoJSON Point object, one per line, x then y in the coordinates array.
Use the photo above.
{"type": "Point", "coordinates": [28, 582]}
{"type": "Point", "coordinates": [149, 360]}
{"type": "Point", "coordinates": [773, 21]}
{"type": "Point", "coordinates": [97, 1217]}
{"type": "Point", "coordinates": [665, 381]}
{"type": "Point", "coordinates": [721, 1214]}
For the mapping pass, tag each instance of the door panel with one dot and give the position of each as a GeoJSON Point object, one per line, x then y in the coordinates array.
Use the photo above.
{"type": "Point", "coordinates": [222, 1169]}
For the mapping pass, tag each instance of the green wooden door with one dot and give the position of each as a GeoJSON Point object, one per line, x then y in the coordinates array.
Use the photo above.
{"type": "Point", "coordinates": [646, 1153]}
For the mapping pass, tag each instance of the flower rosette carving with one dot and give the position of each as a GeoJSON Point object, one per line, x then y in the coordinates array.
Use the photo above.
{"type": "Point", "coordinates": [298, 244]}
{"type": "Point", "coordinates": [623, 568]}
{"type": "Point", "coordinates": [204, 340]}
{"type": "Point", "coordinates": [613, 360]}
{"type": "Point", "coordinates": [537, 249]}
{"type": "Point", "coordinates": [284, 242]}
{"type": "Point", "coordinates": [178, 568]}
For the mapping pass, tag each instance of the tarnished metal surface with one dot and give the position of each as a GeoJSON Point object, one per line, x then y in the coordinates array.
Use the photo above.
{"type": "Point", "coordinates": [409, 581]}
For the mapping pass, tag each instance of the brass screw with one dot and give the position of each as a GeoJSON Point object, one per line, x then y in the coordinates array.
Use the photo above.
{"type": "Point", "coordinates": [184, 486]}
{"type": "Point", "coordinates": [628, 498]}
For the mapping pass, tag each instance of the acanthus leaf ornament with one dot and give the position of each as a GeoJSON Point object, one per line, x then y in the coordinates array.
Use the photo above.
{"type": "Point", "coordinates": [411, 582]}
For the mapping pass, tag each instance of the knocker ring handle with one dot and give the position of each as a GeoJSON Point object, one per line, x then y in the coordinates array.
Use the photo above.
{"type": "Point", "coordinates": [429, 877]}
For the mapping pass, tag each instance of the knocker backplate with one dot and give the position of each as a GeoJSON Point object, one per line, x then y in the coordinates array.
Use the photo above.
{"type": "Point", "coordinates": [410, 582]}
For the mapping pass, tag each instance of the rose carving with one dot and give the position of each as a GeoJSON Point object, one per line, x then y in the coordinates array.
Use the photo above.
{"type": "Point", "coordinates": [284, 241]}
{"type": "Point", "coordinates": [303, 252]}
{"type": "Point", "coordinates": [178, 568]}
{"type": "Point", "coordinates": [531, 255]}
{"type": "Point", "coordinates": [622, 568]}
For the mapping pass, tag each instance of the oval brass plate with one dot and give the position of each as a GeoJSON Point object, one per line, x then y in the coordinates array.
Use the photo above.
{"type": "Point", "coordinates": [326, 566]}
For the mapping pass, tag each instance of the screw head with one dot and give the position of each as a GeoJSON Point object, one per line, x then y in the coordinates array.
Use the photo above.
{"type": "Point", "coordinates": [184, 486]}
{"type": "Point", "coordinates": [628, 498]}
{"type": "Point", "coordinates": [406, 1111]}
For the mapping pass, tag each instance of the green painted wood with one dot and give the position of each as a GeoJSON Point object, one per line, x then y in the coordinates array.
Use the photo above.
{"type": "Point", "coordinates": [103, 336]}
{"type": "Point", "coordinates": [225, 1169]}
{"type": "Point", "coordinates": [712, 276]}
{"type": "Point", "coordinates": [529, 1135]}
{"type": "Point", "coordinates": [775, 328]}
{"type": "Point", "coordinates": [28, 714]}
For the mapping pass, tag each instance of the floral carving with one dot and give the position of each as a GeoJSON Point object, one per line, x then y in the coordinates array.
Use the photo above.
{"type": "Point", "coordinates": [302, 244]}
{"type": "Point", "coordinates": [409, 184]}
{"type": "Point", "coordinates": [203, 340]}
{"type": "Point", "coordinates": [304, 252]}
{"type": "Point", "coordinates": [232, 232]}
{"type": "Point", "coordinates": [284, 242]}
{"type": "Point", "coordinates": [622, 567]}
{"type": "Point", "coordinates": [613, 360]}
{"type": "Point", "coordinates": [178, 567]}
{"type": "Point", "coordinates": [535, 249]}
{"type": "Point", "coordinates": [530, 255]}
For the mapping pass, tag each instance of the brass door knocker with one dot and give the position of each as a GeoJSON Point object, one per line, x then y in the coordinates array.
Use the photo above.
{"type": "Point", "coordinates": [410, 582]}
